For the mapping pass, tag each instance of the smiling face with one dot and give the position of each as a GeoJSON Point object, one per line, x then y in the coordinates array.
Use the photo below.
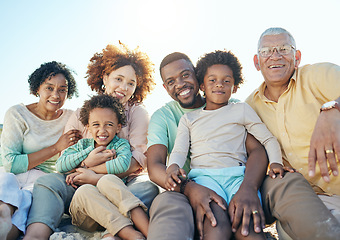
{"type": "Point", "coordinates": [121, 83]}
{"type": "Point", "coordinates": [53, 93]}
{"type": "Point", "coordinates": [277, 69]}
{"type": "Point", "coordinates": [180, 82]}
{"type": "Point", "coordinates": [103, 125]}
{"type": "Point", "coordinates": [218, 85]}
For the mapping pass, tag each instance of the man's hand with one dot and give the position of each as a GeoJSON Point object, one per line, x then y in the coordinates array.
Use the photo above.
{"type": "Point", "coordinates": [243, 206]}
{"type": "Point", "coordinates": [325, 144]}
{"type": "Point", "coordinates": [200, 198]}
{"type": "Point", "coordinates": [172, 179]}
{"type": "Point", "coordinates": [277, 168]}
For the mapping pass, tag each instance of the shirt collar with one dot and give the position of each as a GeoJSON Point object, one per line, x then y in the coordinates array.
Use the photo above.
{"type": "Point", "coordinates": [259, 92]}
{"type": "Point", "coordinates": [113, 141]}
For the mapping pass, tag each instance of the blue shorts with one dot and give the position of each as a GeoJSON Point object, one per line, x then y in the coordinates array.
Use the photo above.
{"type": "Point", "coordinates": [224, 181]}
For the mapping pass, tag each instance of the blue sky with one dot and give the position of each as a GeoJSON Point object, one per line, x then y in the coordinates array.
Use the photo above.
{"type": "Point", "coordinates": [71, 31]}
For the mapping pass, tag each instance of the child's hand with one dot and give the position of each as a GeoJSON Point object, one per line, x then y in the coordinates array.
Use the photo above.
{"type": "Point", "coordinates": [99, 155]}
{"type": "Point", "coordinates": [111, 151]}
{"type": "Point", "coordinates": [70, 179]}
{"type": "Point", "coordinates": [86, 176]}
{"type": "Point", "coordinates": [172, 178]}
{"type": "Point", "coordinates": [277, 168]}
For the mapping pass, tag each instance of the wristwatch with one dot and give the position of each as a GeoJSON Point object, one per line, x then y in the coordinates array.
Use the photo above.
{"type": "Point", "coordinates": [330, 105]}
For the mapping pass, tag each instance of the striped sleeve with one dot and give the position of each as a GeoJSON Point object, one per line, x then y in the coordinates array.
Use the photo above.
{"type": "Point", "coordinates": [74, 155]}
{"type": "Point", "coordinates": [123, 158]}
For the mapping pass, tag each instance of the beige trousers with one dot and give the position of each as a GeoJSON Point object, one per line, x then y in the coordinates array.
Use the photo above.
{"type": "Point", "coordinates": [108, 205]}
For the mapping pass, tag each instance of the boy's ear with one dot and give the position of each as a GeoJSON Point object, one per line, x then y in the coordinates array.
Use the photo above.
{"type": "Point", "coordinates": [119, 127]}
{"type": "Point", "coordinates": [202, 87]}
{"type": "Point", "coordinates": [235, 89]}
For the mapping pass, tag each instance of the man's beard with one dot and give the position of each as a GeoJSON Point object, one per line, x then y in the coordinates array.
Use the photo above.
{"type": "Point", "coordinates": [188, 104]}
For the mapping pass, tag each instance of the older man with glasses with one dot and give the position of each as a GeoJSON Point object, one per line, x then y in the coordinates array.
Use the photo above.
{"type": "Point", "coordinates": [300, 106]}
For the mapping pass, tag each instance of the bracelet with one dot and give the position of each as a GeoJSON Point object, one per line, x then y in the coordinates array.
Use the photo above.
{"type": "Point", "coordinates": [184, 184]}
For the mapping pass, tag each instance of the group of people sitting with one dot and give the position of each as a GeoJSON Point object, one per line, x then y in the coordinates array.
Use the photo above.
{"type": "Point", "coordinates": [202, 167]}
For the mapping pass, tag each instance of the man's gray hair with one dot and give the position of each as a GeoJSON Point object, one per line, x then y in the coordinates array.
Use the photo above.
{"type": "Point", "coordinates": [276, 31]}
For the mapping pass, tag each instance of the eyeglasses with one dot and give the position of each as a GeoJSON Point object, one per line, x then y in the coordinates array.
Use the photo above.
{"type": "Point", "coordinates": [282, 50]}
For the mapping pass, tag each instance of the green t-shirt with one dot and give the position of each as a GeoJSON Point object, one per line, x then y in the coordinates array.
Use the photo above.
{"type": "Point", "coordinates": [163, 127]}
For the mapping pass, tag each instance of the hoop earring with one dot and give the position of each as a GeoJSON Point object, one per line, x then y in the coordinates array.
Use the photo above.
{"type": "Point", "coordinates": [103, 87]}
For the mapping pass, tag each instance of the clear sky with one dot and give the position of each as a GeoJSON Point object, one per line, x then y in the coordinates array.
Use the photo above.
{"type": "Point", "coordinates": [71, 31]}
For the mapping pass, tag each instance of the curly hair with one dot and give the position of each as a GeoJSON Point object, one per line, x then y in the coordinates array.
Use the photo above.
{"type": "Point", "coordinates": [114, 57]}
{"type": "Point", "coordinates": [48, 70]}
{"type": "Point", "coordinates": [102, 101]}
{"type": "Point", "coordinates": [219, 57]}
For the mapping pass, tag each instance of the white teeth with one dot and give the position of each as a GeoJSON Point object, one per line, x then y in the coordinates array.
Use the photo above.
{"type": "Point", "coordinates": [184, 92]}
{"type": "Point", "coordinates": [275, 66]}
{"type": "Point", "coordinates": [120, 94]}
{"type": "Point", "coordinates": [54, 102]}
{"type": "Point", "coordinates": [102, 137]}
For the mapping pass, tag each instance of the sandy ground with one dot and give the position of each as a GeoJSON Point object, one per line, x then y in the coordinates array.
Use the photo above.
{"type": "Point", "coordinates": [69, 232]}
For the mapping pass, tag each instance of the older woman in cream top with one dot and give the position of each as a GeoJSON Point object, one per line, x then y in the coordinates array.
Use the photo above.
{"type": "Point", "coordinates": [31, 142]}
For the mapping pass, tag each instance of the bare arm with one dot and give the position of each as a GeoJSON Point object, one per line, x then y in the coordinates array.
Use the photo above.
{"type": "Point", "coordinates": [246, 199]}
{"type": "Point", "coordinates": [156, 158]}
{"type": "Point", "coordinates": [36, 158]}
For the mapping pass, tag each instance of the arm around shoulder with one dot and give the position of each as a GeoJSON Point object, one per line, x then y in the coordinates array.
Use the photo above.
{"type": "Point", "coordinates": [138, 128]}
{"type": "Point", "coordinates": [325, 143]}
{"type": "Point", "coordinates": [121, 163]}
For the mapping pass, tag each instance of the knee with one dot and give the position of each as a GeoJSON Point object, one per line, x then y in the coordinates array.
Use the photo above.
{"type": "Point", "coordinates": [172, 202]}
{"type": "Point", "coordinates": [8, 182]}
{"type": "Point", "coordinates": [295, 177]}
{"type": "Point", "coordinates": [146, 191]}
{"type": "Point", "coordinates": [84, 192]}
{"type": "Point", "coordinates": [289, 181]}
{"type": "Point", "coordinates": [7, 177]}
{"type": "Point", "coordinates": [109, 179]}
{"type": "Point", "coordinates": [50, 181]}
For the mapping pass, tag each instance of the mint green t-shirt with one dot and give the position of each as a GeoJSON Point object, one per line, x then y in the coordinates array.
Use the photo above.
{"type": "Point", "coordinates": [163, 127]}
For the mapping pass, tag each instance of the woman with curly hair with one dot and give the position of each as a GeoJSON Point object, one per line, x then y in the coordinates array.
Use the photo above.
{"type": "Point", "coordinates": [127, 75]}
{"type": "Point", "coordinates": [31, 141]}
